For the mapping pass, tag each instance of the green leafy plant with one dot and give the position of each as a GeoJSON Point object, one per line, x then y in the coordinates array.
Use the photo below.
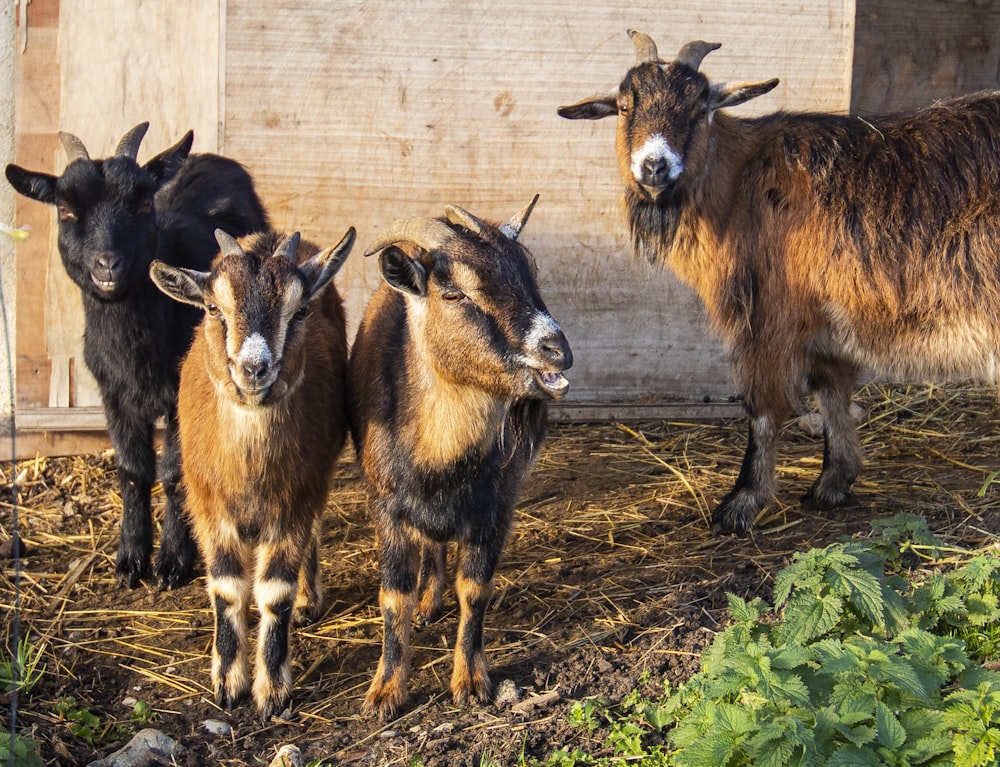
{"type": "Point", "coordinates": [23, 670]}
{"type": "Point", "coordinates": [82, 722]}
{"type": "Point", "coordinates": [143, 713]}
{"type": "Point", "coordinates": [22, 752]}
{"type": "Point", "coordinates": [854, 665]}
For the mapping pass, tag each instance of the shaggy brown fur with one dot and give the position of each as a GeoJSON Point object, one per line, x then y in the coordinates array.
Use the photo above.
{"type": "Point", "coordinates": [821, 245]}
{"type": "Point", "coordinates": [262, 419]}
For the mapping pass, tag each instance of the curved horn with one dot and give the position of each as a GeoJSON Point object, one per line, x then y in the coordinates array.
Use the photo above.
{"type": "Point", "coordinates": [75, 150]}
{"type": "Point", "coordinates": [288, 246]}
{"type": "Point", "coordinates": [128, 146]}
{"type": "Point", "coordinates": [692, 53]}
{"type": "Point", "coordinates": [512, 228]}
{"type": "Point", "coordinates": [645, 48]}
{"type": "Point", "coordinates": [228, 245]}
{"type": "Point", "coordinates": [462, 217]}
{"type": "Point", "coordinates": [427, 233]}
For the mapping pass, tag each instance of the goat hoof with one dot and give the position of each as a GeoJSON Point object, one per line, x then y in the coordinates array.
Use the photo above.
{"type": "Point", "coordinates": [130, 569]}
{"type": "Point", "coordinates": [173, 571]}
{"type": "Point", "coordinates": [735, 514]}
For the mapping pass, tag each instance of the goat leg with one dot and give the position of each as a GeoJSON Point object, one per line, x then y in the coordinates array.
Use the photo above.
{"type": "Point", "coordinates": [841, 446]}
{"type": "Point", "coordinates": [754, 486]}
{"type": "Point", "coordinates": [175, 560]}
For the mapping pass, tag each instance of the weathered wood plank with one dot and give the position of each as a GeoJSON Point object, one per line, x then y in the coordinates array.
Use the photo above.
{"type": "Point", "coordinates": [374, 111]}
{"type": "Point", "coordinates": [911, 53]}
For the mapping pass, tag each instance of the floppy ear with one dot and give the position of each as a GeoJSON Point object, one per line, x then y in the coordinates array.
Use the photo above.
{"type": "Point", "coordinates": [184, 285]}
{"type": "Point", "coordinates": [591, 109]}
{"type": "Point", "coordinates": [37, 186]}
{"type": "Point", "coordinates": [733, 95]}
{"type": "Point", "coordinates": [321, 268]}
{"type": "Point", "coordinates": [402, 273]}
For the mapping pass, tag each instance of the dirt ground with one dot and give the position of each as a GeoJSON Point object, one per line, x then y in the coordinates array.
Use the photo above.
{"type": "Point", "coordinates": [611, 574]}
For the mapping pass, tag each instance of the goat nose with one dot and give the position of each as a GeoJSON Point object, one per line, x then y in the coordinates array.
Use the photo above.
{"type": "Point", "coordinates": [255, 370]}
{"type": "Point", "coordinates": [555, 349]}
{"type": "Point", "coordinates": [108, 263]}
{"type": "Point", "coordinates": [655, 168]}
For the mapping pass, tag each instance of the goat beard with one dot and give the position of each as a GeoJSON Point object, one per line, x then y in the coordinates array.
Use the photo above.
{"type": "Point", "coordinates": [653, 225]}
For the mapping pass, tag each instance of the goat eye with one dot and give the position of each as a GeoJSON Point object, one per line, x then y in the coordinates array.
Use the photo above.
{"type": "Point", "coordinates": [213, 310]}
{"type": "Point", "coordinates": [453, 296]}
{"type": "Point", "coordinates": [66, 213]}
{"type": "Point", "coordinates": [623, 109]}
{"type": "Point", "coordinates": [300, 314]}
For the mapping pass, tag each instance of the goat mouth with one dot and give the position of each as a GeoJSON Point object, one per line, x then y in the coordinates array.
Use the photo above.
{"type": "Point", "coordinates": [552, 382]}
{"type": "Point", "coordinates": [105, 286]}
{"type": "Point", "coordinates": [655, 193]}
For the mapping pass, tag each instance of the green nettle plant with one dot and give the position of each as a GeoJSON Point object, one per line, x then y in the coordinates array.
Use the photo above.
{"type": "Point", "coordinates": [853, 666]}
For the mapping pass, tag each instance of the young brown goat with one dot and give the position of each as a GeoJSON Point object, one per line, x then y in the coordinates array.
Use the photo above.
{"type": "Point", "coordinates": [450, 372]}
{"type": "Point", "coordinates": [262, 410]}
{"type": "Point", "coordinates": [822, 245]}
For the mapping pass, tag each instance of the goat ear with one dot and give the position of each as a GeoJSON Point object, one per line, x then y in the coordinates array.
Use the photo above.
{"type": "Point", "coordinates": [184, 285]}
{"type": "Point", "coordinates": [37, 186]}
{"type": "Point", "coordinates": [733, 95]}
{"type": "Point", "coordinates": [591, 109]}
{"type": "Point", "coordinates": [321, 268]}
{"type": "Point", "coordinates": [402, 273]}
{"type": "Point", "coordinates": [167, 163]}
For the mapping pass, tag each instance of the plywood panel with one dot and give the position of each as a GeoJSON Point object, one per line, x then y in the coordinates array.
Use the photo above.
{"type": "Point", "coordinates": [911, 53]}
{"type": "Point", "coordinates": [117, 65]}
{"type": "Point", "coordinates": [373, 111]}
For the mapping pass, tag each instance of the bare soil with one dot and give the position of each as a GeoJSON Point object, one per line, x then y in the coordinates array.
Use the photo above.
{"type": "Point", "coordinates": [612, 578]}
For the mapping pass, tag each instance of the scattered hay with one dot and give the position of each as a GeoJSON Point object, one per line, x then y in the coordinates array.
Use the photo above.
{"type": "Point", "coordinates": [611, 570]}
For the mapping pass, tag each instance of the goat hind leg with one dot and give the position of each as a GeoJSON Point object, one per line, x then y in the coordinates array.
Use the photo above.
{"type": "Point", "coordinates": [754, 486]}
{"type": "Point", "coordinates": [841, 446]}
{"type": "Point", "coordinates": [430, 603]}
{"type": "Point", "coordinates": [175, 560]}
{"type": "Point", "coordinates": [309, 600]}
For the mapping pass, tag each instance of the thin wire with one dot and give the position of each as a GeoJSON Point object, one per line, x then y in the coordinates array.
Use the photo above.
{"type": "Point", "coordinates": [14, 667]}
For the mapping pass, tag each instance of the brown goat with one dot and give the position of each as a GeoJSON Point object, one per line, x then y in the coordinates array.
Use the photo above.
{"type": "Point", "coordinates": [449, 376]}
{"type": "Point", "coordinates": [822, 245]}
{"type": "Point", "coordinates": [262, 411]}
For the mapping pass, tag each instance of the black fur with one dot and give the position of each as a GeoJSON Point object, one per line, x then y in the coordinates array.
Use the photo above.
{"type": "Point", "coordinates": [115, 217]}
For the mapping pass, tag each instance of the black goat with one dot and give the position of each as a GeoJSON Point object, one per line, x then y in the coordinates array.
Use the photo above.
{"type": "Point", "coordinates": [115, 217]}
{"type": "Point", "coordinates": [449, 376]}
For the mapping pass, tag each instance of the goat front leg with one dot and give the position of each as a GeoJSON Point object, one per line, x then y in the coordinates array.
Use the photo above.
{"type": "Point", "coordinates": [229, 592]}
{"type": "Point", "coordinates": [398, 559]}
{"type": "Point", "coordinates": [841, 446]}
{"type": "Point", "coordinates": [470, 678]}
{"type": "Point", "coordinates": [275, 589]}
{"type": "Point", "coordinates": [175, 561]}
{"type": "Point", "coordinates": [754, 486]}
{"type": "Point", "coordinates": [136, 459]}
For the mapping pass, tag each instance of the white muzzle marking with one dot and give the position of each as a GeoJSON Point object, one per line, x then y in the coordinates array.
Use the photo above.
{"type": "Point", "coordinates": [656, 148]}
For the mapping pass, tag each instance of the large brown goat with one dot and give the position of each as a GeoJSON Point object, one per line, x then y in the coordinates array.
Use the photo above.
{"type": "Point", "coordinates": [449, 376]}
{"type": "Point", "coordinates": [822, 245]}
{"type": "Point", "coordinates": [262, 409]}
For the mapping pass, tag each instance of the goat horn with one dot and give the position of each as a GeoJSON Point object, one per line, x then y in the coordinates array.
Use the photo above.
{"type": "Point", "coordinates": [288, 246]}
{"type": "Point", "coordinates": [462, 217]}
{"type": "Point", "coordinates": [427, 233]}
{"type": "Point", "coordinates": [75, 150]}
{"type": "Point", "coordinates": [692, 53]}
{"type": "Point", "coordinates": [128, 146]}
{"type": "Point", "coordinates": [228, 244]}
{"type": "Point", "coordinates": [645, 48]}
{"type": "Point", "coordinates": [512, 228]}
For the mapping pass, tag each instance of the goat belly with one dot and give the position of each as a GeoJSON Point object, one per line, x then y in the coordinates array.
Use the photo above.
{"type": "Point", "coordinates": [472, 502]}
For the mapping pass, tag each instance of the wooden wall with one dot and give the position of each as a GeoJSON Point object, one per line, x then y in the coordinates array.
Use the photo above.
{"type": "Point", "coordinates": [359, 112]}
